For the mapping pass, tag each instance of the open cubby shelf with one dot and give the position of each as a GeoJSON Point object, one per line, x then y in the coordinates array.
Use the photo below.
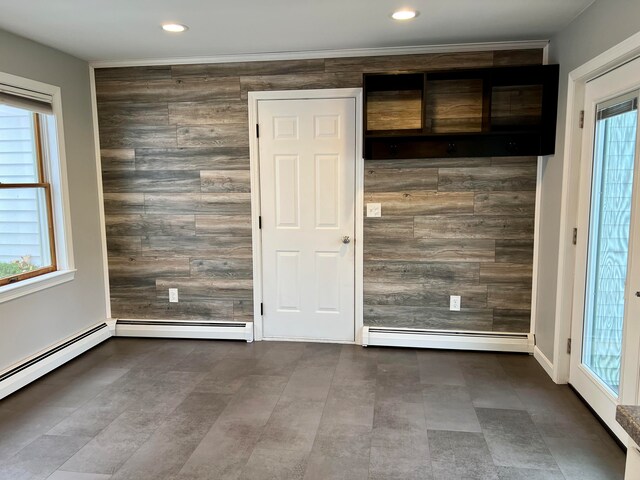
{"type": "Point", "coordinates": [500, 111]}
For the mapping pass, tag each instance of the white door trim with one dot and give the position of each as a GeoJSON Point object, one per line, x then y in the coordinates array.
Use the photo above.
{"type": "Point", "coordinates": [256, 242]}
{"type": "Point", "coordinates": [603, 63]}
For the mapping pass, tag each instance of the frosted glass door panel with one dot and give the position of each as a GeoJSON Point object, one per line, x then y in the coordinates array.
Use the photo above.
{"type": "Point", "coordinates": [608, 249]}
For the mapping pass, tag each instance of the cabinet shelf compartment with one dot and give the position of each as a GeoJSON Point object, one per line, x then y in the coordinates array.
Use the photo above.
{"type": "Point", "coordinates": [465, 112]}
{"type": "Point", "coordinates": [394, 102]}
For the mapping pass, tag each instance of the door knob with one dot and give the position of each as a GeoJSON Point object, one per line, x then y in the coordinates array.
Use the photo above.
{"type": "Point", "coordinates": [637, 294]}
{"type": "Point", "coordinates": [346, 239]}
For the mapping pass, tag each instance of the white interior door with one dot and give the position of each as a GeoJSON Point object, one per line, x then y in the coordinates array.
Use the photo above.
{"type": "Point", "coordinates": [307, 188]}
{"type": "Point", "coordinates": [606, 307]}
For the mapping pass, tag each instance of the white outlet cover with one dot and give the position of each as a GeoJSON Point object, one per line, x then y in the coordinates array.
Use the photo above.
{"type": "Point", "coordinates": [374, 209]}
{"type": "Point", "coordinates": [454, 303]}
{"type": "Point", "coordinates": [173, 295]}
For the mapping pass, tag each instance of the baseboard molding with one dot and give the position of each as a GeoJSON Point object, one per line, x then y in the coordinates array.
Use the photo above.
{"type": "Point", "coordinates": [543, 361]}
{"type": "Point", "coordinates": [184, 329]}
{"type": "Point", "coordinates": [34, 367]}
{"type": "Point", "coordinates": [418, 338]}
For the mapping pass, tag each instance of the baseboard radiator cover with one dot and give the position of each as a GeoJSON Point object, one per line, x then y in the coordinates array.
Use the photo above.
{"type": "Point", "coordinates": [447, 339]}
{"type": "Point", "coordinates": [34, 367]}
{"type": "Point", "coordinates": [212, 330]}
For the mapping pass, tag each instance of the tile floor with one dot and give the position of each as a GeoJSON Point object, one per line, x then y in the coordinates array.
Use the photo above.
{"type": "Point", "coordinates": [184, 410]}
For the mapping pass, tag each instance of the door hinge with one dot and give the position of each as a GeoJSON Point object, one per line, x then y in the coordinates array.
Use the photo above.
{"type": "Point", "coordinates": [260, 222]}
{"type": "Point", "coordinates": [535, 341]}
{"type": "Point", "coordinates": [575, 236]}
{"type": "Point", "coordinates": [261, 308]}
{"type": "Point", "coordinates": [568, 345]}
{"type": "Point", "coordinates": [257, 130]}
{"type": "Point", "coordinates": [581, 121]}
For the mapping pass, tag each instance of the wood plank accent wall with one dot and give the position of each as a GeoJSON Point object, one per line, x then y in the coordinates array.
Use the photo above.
{"type": "Point", "coordinates": [175, 160]}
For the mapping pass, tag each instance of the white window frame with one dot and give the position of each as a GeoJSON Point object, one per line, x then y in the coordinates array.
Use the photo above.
{"type": "Point", "coordinates": [55, 166]}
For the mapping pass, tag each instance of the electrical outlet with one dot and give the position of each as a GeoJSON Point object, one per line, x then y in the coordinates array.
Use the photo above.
{"type": "Point", "coordinates": [454, 303]}
{"type": "Point", "coordinates": [374, 209]}
{"type": "Point", "coordinates": [173, 295]}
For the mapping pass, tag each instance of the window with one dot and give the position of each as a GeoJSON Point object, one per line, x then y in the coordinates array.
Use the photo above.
{"type": "Point", "coordinates": [27, 240]}
{"type": "Point", "coordinates": [35, 243]}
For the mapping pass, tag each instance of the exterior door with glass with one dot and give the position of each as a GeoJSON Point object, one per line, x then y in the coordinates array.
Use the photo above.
{"type": "Point", "coordinates": [606, 306]}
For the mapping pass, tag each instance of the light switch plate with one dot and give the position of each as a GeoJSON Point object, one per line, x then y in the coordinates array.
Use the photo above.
{"type": "Point", "coordinates": [374, 209]}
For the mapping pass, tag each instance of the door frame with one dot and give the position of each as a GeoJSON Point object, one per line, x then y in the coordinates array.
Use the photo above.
{"type": "Point", "coordinates": [256, 237]}
{"type": "Point", "coordinates": [616, 56]}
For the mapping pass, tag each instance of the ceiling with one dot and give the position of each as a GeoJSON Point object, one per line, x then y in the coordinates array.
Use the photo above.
{"type": "Point", "coordinates": [116, 30]}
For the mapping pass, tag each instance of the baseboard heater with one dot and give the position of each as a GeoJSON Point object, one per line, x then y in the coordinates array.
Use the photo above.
{"type": "Point", "coordinates": [447, 339]}
{"type": "Point", "coordinates": [185, 329]}
{"type": "Point", "coordinates": [42, 363]}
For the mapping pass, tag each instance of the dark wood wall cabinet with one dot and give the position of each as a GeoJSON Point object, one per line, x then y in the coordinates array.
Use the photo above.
{"type": "Point", "coordinates": [485, 112]}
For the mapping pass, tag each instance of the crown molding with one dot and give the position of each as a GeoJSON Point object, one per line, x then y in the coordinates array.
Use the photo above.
{"type": "Point", "coordinates": [313, 54]}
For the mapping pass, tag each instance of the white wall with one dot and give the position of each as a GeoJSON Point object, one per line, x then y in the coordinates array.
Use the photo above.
{"type": "Point", "coordinates": [604, 24]}
{"type": "Point", "coordinates": [34, 322]}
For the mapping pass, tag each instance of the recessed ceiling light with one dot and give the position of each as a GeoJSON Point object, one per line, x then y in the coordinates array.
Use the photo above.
{"type": "Point", "coordinates": [404, 14]}
{"type": "Point", "coordinates": [174, 27]}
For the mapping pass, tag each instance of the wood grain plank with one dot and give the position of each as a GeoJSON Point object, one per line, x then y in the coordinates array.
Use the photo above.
{"type": "Point", "coordinates": [124, 293]}
{"type": "Point", "coordinates": [388, 227]}
{"type": "Point", "coordinates": [529, 56]}
{"type": "Point", "coordinates": [405, 179]}
{"type": "Point", "coordinates": [422, 203]}
{"type": "Point", "coordinates": [505, 178]}
{"type": "Point", "coordinates": [219, 310]}
{"type": "Point", "coordinates": [117, 159]}
{"type": "Point", "coordinates": [142, 225]}
{"type": "Point", "coordinates": [137, 271]}
{"type": "Point", "coordinates": [428, 317]}
{"type": "Point", "coordinates": [201, 289]}
{"type": "Point", "coordinates": [236, 225]}
{"type": "Point", "coordinates": [473, 226]}
{"type": "Point", "coordinates": [499, 161]}
{"type": "Point", "coordinates": [509, 297]}
{"type": "Point", "coordinates": [410, 63]}
{"type": "Point", "coordinates": [167, 91]}
{"type": "Point", "coordinates": [223, 135]}
{"type": "Point", "coordinates": [221, 267]}
{"type": "Point", "coordinates": [153, 72]}
{"type": "Point", "coordinates": [464, 162]}
{"type": "Point", "coordinates": [128, 114]}
{"type": "Point", "coordinates": [505, 203]}
{"type": "Point", "coordinates": [514, 321]}
{"type": "Point", "coordinates": [376, 293]}
{"type": "Point", "coordinates": [298, 82]}
{"type": "Point", "coordinates": [436, 274]}
{"type": "Point", "coordinates": [198, 246]}
{"type": "Point", "coordinates": [209, 113]}
{"type": "Point", "coordinates": [243, 310]}
{"type": "Point", "coordinates": [208, 158]}
{"type": "Point", "coordinates": [515, 251]}
{"type": "Point", "coordinates": [428, 250]}
{"type": "Point", "coordinates": [195, 203]}
{"type": "Point", "coordinates": [284, 67]}
{"type": "Point", "coordinates": [138, 136]}
{"type": "Point", "coordinates": [123, 245]}
{"type": "Point", "coordinates": [225, 181]}
{"type": "Point", "coordinates": [165, 181]}
{"type": "Point", "coordinates": [511, 273]}
{"type": "Point", "coordinates": [115, 203]}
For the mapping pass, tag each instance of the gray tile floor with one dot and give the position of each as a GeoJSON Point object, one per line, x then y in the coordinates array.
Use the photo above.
{"type": "Point", "coordinates": [185, 410]}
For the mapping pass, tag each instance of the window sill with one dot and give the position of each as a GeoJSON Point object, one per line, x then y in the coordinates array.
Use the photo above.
{"type": "Point", "coordinates": [35, 284]}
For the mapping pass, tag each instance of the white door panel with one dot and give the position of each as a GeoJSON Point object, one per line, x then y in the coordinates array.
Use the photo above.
{"type": "Point", "coordinates": [605, 326]}
{"type": "Point", "coordinates": [307, 184]}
